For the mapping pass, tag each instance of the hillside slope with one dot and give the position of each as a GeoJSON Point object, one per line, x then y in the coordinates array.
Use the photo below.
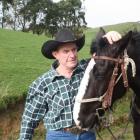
{"type": "Point", "coordinates": [21, 62]}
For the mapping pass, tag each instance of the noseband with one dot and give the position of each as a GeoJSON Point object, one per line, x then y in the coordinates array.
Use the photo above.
{"type": "Point", "coordinates": [117, 60]}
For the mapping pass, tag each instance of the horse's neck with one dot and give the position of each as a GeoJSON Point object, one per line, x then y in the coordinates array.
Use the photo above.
{"type": "Point", "coordinates": [119, 90]}
{"type": "Point", "coordinates": [134, 82]}
{"type": "Point", "coordinates": [134, 53]}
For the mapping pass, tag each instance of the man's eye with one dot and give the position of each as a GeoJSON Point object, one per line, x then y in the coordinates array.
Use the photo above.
{"type": "Point", "coordinates": [66, 51]}
{"type": "Point", "coordinates": [73, 49]}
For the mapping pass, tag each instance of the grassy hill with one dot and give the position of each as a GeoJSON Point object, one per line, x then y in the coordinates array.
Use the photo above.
{"type": "Point", "coordinates": [21, 62]}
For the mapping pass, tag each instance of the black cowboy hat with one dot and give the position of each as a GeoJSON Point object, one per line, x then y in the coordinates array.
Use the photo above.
{"type": "Point", "coordinates": [62, 37]}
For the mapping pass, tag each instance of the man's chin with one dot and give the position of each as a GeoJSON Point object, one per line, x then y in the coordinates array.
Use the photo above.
{"type": "Point", "coordinates": [73, 65]}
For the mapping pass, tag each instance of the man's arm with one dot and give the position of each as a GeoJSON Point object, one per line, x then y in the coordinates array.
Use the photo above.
{"type": "Point", "coordinates": [35, 109]}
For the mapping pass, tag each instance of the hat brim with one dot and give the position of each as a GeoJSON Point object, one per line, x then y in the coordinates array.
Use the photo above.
{"type": "Point", "coordinates": [51, 45]}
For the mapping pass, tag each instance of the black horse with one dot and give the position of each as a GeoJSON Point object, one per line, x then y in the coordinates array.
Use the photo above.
{"type": "Point", "coordinates": [110, 58]}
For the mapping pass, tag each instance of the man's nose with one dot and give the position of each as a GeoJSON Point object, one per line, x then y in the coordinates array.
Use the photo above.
{"type": "Point", "coordinates": [72, 53]}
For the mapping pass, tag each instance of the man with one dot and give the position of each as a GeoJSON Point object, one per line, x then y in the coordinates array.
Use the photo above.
{"type": "Point", "coordinates": [51, 96]}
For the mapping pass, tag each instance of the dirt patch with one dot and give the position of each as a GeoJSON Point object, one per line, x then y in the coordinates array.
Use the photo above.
{"type": "Point", "coordinates": [10, 120]}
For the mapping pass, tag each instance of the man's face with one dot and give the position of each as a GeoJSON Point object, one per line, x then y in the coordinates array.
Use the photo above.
{"type": "Point", "coordinates": [67, 55]}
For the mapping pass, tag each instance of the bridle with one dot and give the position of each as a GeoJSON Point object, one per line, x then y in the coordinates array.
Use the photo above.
{"type": "Point", "coordinates": [107, 96]}
{"type": "Point", "coordinates": [122, 62]}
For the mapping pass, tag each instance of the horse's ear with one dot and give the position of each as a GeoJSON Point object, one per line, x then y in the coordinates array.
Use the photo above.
{"type": "Point", "coordinates": [100, 34]}
{"type": "Point", "coordinates": [125, 40]}
{"type": "Point", "coordinates": [98, 41]}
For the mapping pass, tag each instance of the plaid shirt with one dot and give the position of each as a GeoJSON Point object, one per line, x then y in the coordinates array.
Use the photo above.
{"type": "Point", "coordinates": [51, 98]}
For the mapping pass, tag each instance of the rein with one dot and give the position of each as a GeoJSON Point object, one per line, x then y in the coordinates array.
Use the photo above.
{"type": "Point", "coordinates": [106, 98]}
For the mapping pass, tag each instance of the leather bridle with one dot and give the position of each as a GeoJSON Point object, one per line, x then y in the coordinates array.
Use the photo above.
{"type": "Point", "coordinates": [118, 61]}
{"type": "Point", "coordinates": [107, 96]}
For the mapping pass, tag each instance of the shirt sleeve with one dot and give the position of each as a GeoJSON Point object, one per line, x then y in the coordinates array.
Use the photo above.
{"type": "Point", "coordinates": [35, 109]}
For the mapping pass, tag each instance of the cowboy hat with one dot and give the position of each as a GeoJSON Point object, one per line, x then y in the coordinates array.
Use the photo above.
{"type": "Point", "coordinates": [62, 37]}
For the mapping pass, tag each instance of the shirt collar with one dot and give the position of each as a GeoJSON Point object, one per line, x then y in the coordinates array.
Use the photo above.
{"type": "Point", "coordinates": [54, 74]}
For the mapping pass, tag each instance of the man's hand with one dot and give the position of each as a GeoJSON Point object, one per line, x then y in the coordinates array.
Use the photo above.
{"type": "Point", "coordinates": [112, 36]}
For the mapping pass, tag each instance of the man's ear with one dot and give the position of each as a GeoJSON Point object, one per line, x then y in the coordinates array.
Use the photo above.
{"type": "Point", "coordinates": [54, 53]}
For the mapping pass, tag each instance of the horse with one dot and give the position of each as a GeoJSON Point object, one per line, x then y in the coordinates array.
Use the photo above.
{"type": "Point", "coordinates": [108, 77]}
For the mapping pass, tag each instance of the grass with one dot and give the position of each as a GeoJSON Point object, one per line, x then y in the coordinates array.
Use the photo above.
{"type": "Point", "coordinates": [122, 121]}
{"type": "Point", "coordinates": [21, 62]}
{"type": "Point", "coordinates": [120, 114]}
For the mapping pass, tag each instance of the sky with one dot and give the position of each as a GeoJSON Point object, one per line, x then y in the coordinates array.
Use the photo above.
{"type": "Point", "coordinates": [107, 12]}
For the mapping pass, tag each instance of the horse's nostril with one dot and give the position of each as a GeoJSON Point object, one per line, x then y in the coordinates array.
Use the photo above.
{"type": "Point", "coordinates": [100, 112]}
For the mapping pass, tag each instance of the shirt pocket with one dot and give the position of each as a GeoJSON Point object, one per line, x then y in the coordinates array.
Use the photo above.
{"type": "Point", "coordinates": [55, 100]}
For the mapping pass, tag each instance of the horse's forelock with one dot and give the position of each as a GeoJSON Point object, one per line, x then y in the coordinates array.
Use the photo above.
{"type": "Point", "coordinates": [98, 45]}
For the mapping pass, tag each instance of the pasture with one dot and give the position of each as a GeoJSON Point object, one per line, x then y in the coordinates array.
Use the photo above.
{"type": "Point", "coordinates": [21, 62]}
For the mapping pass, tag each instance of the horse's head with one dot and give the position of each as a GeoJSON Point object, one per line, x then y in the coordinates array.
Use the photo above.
{"type": "Point", "coordinates": [101, 46]}
{"type": "Point", "coordinates": [106, 58]}
{"type": "Point", "coordinates": [107, 55]}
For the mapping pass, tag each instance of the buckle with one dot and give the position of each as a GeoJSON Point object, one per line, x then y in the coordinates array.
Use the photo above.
{"type": "Point", "coordinates": [74, 130]}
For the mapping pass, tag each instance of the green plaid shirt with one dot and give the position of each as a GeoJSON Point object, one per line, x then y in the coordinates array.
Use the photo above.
{"type": "Point", "coordinates": [51, 98]}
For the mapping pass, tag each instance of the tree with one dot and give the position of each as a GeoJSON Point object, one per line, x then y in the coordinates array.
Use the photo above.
{"type": "Point", "coordinates": [33, 11]}
{"type": "Point", "coordinates": [5, 7]}
{"type": "Point", "coordinates": [24, 15]}
{"type": "Point", "coordinates": [64, 14]}
{"type": "Point", "coordinates": [45, 16]}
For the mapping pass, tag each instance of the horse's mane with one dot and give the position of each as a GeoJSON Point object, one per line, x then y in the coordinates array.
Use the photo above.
{"type": "Point", "coordinates": [136, 37]}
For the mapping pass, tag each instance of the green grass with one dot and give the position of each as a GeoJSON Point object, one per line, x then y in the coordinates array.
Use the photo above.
{"type": "Point", "coordinates": [20, 63]}
{"type": "Point", "coordinates": [21, 60]}
{"type": "Point", "coordinates": [122, 120]}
